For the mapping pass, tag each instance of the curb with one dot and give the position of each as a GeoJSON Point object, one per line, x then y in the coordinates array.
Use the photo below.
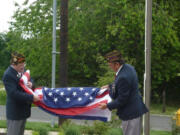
{"type": "Point", "coordinates": [2, 130]}
{"type": "Point", "coordinates": [26, 132]}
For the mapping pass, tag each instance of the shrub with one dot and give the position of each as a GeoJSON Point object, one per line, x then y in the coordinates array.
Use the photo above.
{"type": "Point", "coordinates": [175, 128]}
{"type": "Point", "coordinates": [61, 131]}
{"type": "Point", "coordinates": [35, 133]}
{"type": "Point", "coordinates": [72, 130]}
{"type": "Point", "coordinates": [114, 131]}
{"type": "Point", "coordinates": [41, 131]}
{"type": "Point", "coordinates": [100, 128]}
{"type": "Point", "coordinates": [88, 130]}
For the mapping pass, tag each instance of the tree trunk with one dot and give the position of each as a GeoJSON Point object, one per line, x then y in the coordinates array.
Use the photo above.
{"type": "Point", "coordinates": [164, 100]}
{"type": "Point", "coordinates": [63, 46]}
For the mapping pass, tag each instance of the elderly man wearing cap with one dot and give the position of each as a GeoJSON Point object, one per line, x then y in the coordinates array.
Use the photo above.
{"type": "Point", "coordinates": [18, 103]}
{"type": "Point", "coordinates": [125, 94]}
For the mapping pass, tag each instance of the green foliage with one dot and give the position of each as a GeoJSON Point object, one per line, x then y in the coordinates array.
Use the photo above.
{"type": "Point", "coordinates": [2, 97]}
{"type": "Point", "coordinates": [1, 84]}
{"type": "Point", "coordinates": [100, 128]}
{"type": "Point", "coordinates": [108, 75]}
{"type": "Point", "coordinates": [2, 124]}
{"type": "Point", "coordinates": [37, 126]}
{"type": "Point", "coordinates": [153, 132]}
{"type": "Point", "coordinates": [175, 128]}
{"type": "Point", "coordinates": [82, 128]}
{"type": "Point", "coordinates": [114, 131]}
{"type": "Point", "coordinates": [87, 130]}
{"type": "Point", "coordinates": [115, 121]}
{"type": "Point", "coordinates": [70, 129]}
{"type": "Point", "coordinates": [170, 109]}
{"type": "Point", "coordinates": [35, 133]}
{"type": "Point", "coordinates": [43, 131]}
{"type": "Point", "coordinates": [34, 39]}
{"type": "Point", "coordinates": [61, 132]}
{"type": "Point", "coordinates": [176, 131]}
{"type": "Point", "coordinates": [96, 28]}
{"type": "Point", "coordinates": [5, 55]}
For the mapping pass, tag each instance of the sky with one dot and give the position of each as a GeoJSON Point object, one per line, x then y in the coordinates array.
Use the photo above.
{"type": "Point", "coordinates": [7, 10]}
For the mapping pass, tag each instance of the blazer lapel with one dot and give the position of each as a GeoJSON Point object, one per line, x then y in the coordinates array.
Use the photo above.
{"type": "Point", "coordinates": [116, 79]}
{"type": "Point", "coordinates": [14, 73]}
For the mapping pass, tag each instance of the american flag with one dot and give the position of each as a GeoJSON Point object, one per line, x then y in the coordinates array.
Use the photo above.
{"type": "Point", "coordinates": [70, 102]}
{"type": "Point", "coordinates": [69, 97]}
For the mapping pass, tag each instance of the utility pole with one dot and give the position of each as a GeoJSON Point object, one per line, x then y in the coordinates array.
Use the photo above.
{"type": "Point", "coordinates": [63, 46]}
{"type": "Point", "coordinates": [147, 75]}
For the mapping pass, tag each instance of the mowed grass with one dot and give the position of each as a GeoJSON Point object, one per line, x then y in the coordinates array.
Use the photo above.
{"type": "Point", "coordinates": [153, 132]}
{"type": "Point", "coordinates": [1, 85]}
{"type": "Point", "coordinates": [47, 126]}
{"type": "Point", "coordinates": [170, 109]}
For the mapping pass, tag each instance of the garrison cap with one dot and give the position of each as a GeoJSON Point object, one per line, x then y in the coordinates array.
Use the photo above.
{"type": "Point", "coordinates": [17, 58]}
{"type": "Point", "coordinates": [114, 56]}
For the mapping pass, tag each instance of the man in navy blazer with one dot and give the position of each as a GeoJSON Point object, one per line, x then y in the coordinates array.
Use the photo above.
{"type": "Point", "coordinates": [125, 94]}
{"type": "Point", "coordinates": [18, 103]}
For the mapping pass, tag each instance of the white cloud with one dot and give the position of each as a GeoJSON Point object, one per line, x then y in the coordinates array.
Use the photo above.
{"type": "Point", "coordinates": [7, 10]}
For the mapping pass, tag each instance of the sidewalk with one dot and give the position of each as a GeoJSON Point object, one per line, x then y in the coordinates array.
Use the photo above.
{"type": "Point", "coordinates": [27, 132]}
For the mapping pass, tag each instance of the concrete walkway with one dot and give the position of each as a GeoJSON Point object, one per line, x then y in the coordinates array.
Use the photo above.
{"type": "Point", "coordinates": [28, 132]}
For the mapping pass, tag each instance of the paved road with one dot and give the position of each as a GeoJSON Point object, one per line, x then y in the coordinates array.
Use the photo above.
{"type": "Point", "coordinates": [157, 122]}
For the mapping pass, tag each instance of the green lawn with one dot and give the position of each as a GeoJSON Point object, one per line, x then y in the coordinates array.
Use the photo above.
{"type": "Point", "coordinates": [170, 109]}
{"type": "Point", "coordinates": [160, 133]}
{"type": "Point", "coordinates": [39, 125]}
{"type": "Point", "coordinates": [1, 84]}
{"type": "Point", "coordinates": [2, 97]}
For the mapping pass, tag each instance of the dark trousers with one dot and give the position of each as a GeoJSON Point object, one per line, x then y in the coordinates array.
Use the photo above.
{"type": "Point", "coordinates": [15, 127]}
{"type": "Point", "coordinates": [132, 127]}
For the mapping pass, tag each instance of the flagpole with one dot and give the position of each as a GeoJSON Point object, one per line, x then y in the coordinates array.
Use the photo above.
{"type": "Point", "coordinates": [147, 75]}
{"type": "Point", "coordinates": [53, 84]}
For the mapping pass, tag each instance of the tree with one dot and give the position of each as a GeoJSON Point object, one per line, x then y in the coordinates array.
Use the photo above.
{"type": "Point", "coordinates": [5, 55]}
{"type": "Point", "coordinates": [31, 34]}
